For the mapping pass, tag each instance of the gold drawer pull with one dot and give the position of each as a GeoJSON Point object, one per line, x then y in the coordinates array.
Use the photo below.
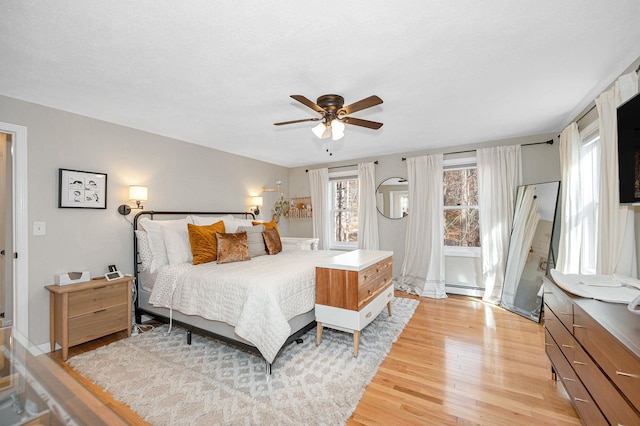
{"type": "Point", "coordinates": [370, 292]}
{"type": "Point", "coordinates": [579, 326]}
{"type": "Point", "coordinates": [567, 346]}
{"type": "Point", "coordinates": [97, 312]}
{"type": "Point", "coordinates": [581, 400]}
{"type": "Point", "coordinates": [548, 344]}
{"type": "Point", "coordinates": [579, 363]}
{"type": "Point", "coordinates": [568, 379]}
{"type": "Point", "coordinates": [566, 313]}
{"type": "Point", "coordinates": [622, 373]}
{"type": "Point", "coordinates": [368, 315]}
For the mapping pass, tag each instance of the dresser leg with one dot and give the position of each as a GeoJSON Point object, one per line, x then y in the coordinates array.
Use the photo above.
{"type": "Point", "coordinates": [318, 333]}
{"type": "Point", "coordinates": [356, 342]}
{"type": "Point", "coordinates": [389, 308]}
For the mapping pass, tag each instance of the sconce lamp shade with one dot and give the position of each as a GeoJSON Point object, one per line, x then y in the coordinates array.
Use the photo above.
{"type": "Point", "coordinates": [138, 193]}
{"type": "Point", "coordinates": [256, 201]}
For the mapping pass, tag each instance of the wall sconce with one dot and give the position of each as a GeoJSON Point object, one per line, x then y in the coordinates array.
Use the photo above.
{"type": "Point", "coordinates": [137, 194]}
{"type": "Point", "coordinates": [257, 202]}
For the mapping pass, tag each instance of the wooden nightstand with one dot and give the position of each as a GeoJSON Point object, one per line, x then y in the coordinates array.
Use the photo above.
{"type": "Point", "coordinates": [351, 290]}
{"type": "Point", "coordinates": [86, 311]}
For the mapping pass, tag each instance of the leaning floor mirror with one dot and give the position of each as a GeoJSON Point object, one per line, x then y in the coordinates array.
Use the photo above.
{"type": "Point", "coordinates": [531, 248]}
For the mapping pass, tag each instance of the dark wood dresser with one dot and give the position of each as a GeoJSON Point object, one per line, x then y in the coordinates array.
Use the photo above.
{"type": "Point", "coordinates": [594, 348]}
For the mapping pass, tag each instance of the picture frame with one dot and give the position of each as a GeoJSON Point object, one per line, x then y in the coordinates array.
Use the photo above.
{"type": "Point", "coordinates": [82, 190]}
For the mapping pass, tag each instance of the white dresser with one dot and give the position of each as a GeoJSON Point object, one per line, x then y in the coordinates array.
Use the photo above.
{"type": "Point", "coordinates": [351, 290]}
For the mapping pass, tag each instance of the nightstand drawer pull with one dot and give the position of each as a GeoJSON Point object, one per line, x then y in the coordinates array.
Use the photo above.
{"type": "Point", "coordinates": [579, 363]}
{"type": "Point", "coordinates": [581, 400]}
{"type": "Point", "coordinates": [564, 345]}
{"type": "Point", "coordinates": [622, 373]}
{"type": "Point", "coordinates": [368, 315]}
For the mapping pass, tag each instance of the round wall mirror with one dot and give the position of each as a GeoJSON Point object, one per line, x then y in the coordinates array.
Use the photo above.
{"type": "Point", "coordinates": [392, 198]}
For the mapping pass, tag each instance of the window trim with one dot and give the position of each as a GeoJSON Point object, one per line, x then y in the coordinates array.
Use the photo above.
{"type": "Point", "coordinates": [470, 162]}
{"type": "Point", "coordinates": [336, 176]}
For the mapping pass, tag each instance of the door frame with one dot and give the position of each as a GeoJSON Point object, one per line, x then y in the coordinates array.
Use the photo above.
{"type": "Point", "coordinates": [20, 226]}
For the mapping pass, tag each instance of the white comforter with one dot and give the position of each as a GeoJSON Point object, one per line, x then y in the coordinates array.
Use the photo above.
{"type": "Point", "coordinates": [257, 297]}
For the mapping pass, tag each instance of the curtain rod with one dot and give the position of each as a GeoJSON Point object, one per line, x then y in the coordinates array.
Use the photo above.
{"type": "Point", "coordinates": [594, 105]}
{"type": "Point", "coordinates": [549, 142]}
{"type": "Point", "coordinates": [338, 167]}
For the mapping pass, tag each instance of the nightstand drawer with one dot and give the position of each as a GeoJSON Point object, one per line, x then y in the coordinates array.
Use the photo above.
{"type": "Point", "coordinates": [371, 289]}
{"type": "Point", "coordinates": [97, 324]}
{"type": "Point", "coordinates": [93, 299]}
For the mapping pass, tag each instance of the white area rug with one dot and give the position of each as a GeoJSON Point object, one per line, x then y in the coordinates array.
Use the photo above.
{"type": "Point", "coordinates": [168, 382]}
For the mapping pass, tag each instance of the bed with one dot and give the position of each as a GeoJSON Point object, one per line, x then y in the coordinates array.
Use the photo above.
{"type": "Point", "coordinates": [259, 305]}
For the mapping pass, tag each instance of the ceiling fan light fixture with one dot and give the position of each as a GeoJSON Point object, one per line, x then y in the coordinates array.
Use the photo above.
{"type": "Point", "coordinates": [322, 131]}
{"type": "Point", "coordinates": [337, 130]}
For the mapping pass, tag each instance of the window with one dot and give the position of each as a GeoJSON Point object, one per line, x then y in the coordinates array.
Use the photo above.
{"type": "Point", "coordinates": [461, 214]}
{"type": "Point", "coordinates": [590, 188]}
{"type": "Point", "coordinates": [344, 210]}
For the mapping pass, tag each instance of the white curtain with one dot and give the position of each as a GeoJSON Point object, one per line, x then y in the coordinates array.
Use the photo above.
{"type": "Point", "coordinates": [499, 175]}
{"type": "Point", "coordinates": [423, 266]}
{"type": "Point", "coordinates": [616, 235]}
{"type": "Point", "coordinates": [367, 211]}
{"type": "Point", "coordinates": [319, 184]}
{"type": "Point", "coordinates": [569, 252]}
{"type": "Point", "coordinates": [525, 222]}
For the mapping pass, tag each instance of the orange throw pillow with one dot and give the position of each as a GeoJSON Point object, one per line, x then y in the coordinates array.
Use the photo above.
{"type": "Point", "coordinates": [268, 225]}
{"type": "Point", "coordinates": [204, 245]}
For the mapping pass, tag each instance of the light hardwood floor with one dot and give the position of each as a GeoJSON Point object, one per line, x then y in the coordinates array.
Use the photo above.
{"type": "Point", "coordinates": [458, 361]}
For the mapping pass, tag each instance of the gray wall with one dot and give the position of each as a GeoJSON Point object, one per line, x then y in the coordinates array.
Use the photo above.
{"type": "Point", "coordinates": [541, 163]}
{"type": "Point", "coordinates": [180, 176]}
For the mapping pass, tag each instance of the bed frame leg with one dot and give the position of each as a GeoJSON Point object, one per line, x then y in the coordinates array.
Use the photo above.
{"type": "Point", "coordinates": [188, 337]}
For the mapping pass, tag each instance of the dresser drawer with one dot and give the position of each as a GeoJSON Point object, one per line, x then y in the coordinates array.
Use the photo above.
{"type": "Point", "coordinates": [622, 366]}
{"type": "Point", "coordinates": [565, 341]}
{"type": "Point", "coordinates": [96, 324]}
{"type": "Point", "coordinates": [93, 299]}
{"type": "Point", "coordinates": [611, 403]}
{"type": "Point", "coordinates": [372, 281]}
{"type": "Point", "coordinates": [559, 303]}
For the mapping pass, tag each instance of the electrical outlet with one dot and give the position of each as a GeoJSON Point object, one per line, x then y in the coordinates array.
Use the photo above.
{"type": "Point", "coordinates": [39, 228]}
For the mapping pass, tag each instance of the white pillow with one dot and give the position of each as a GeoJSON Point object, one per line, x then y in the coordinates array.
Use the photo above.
{"type": "Point", "coordinates": [231, 224]}
{"type": "Point", "coordinates": [144, 251]}
{"type": "Point", "coordinates": [254, 239]}
{"type": "Point", "coordinates": [208, 220]}
{"type": "Point", "coordinates": [176, 242]}
{"type": "Point", "coordinates": [156, 238]}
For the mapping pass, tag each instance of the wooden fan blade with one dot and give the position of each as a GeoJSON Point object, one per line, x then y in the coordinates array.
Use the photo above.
{"type": "Point", "coordinates": [309, 103]}
{"type": "Point", "coordinates": [363, 123]}
{"type": "Point", "coordinates": [360, 105]}
{"type": "Point", "coordinates": [297, 121]}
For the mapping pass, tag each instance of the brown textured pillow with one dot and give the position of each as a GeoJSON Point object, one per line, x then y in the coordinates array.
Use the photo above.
{"type": "Point", "coordinates": [204, 245]}
{"type": "Point", "coordinates": [272, 241]}
{"type": "Point", "coordinates": [268, 225]}
{"type": "Point", "coordinates": [232, 247]}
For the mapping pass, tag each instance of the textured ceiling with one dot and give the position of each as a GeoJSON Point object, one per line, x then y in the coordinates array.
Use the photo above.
{"type": "Point", "coordinates": [219, 74]}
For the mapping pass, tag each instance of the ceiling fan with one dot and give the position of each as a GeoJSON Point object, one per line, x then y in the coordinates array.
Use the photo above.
{"type": "Point", "coordinates": [335, 115]}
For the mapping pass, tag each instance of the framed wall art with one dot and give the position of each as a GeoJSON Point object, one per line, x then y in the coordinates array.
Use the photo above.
{"type": "Point", "coordinates": [77, 189]}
